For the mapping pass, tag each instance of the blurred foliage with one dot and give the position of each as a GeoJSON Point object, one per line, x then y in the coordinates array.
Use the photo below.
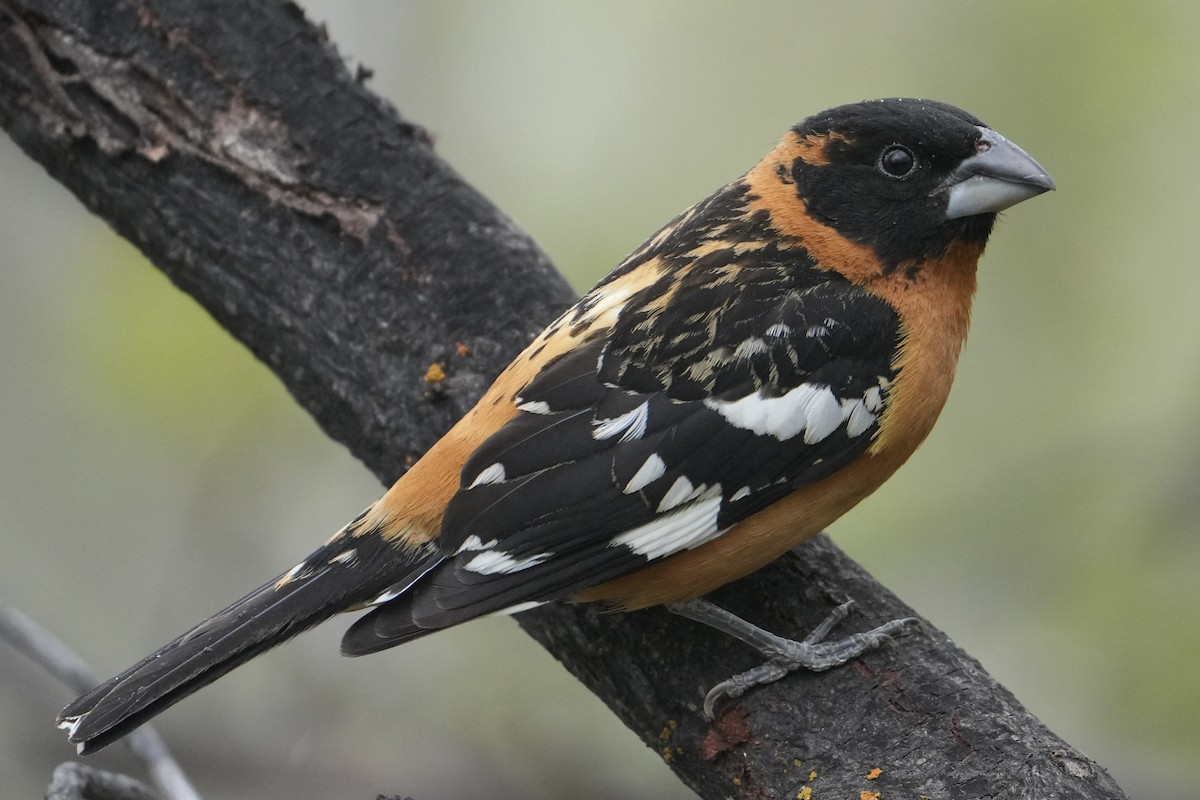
{"type": "Point", "coordinates": [152, 471]}
{"type": "Point", "coordinates": [160, 362]}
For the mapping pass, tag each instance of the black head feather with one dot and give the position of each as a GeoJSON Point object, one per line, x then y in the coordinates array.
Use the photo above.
{"type": "Point", "coordinates": [849, 187]}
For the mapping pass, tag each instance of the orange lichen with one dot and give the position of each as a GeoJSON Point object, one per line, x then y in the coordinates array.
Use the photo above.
{"type": "Point", "coordinates": [435, 374]}
{"type": "Point", "coordinates": [873, 774]}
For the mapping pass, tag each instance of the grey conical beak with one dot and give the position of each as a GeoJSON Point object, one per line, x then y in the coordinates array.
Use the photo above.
{"type": "Point", "coordinates": [998, 176]}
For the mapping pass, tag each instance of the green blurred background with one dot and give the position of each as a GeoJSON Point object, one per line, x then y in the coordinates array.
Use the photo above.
{"type": "Point", "coordinates": [151, 471]}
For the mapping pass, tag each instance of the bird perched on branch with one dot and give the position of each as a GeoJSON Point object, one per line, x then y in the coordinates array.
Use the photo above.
{"type": "Point", "coordinates": [760, 365]}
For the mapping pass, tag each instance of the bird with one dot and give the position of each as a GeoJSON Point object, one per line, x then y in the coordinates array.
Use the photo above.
{"type": "Point", "coordinates": [760, 365]}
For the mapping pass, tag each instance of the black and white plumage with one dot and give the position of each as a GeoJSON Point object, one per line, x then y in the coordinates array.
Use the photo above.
{"type": "Point", "coordinates": [722, 386]}
{"type": "Point", "coordinates": [759, 366]}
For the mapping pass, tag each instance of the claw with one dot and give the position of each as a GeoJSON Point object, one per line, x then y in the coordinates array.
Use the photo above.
{"type": "Point", "coordinates": [785, 655]}
{"type": "Point", "coordinates": [738, 685]}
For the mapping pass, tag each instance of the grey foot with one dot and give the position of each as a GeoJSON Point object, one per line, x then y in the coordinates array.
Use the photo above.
{"type": "Point", "coordinates": [785, 655]}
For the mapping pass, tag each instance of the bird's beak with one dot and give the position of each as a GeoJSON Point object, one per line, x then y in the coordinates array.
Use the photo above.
{"type": "Point", "coordinates": [998, 176]}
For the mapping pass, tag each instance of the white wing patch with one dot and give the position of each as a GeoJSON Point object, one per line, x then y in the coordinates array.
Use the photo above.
{"type": "Point", "coordinates": [784, 417]}
{"type": "Point", "coordinates": [490, 562]}
{"type": "Point", "coordinates": [630, 425]}
{"type": "Point", "coordinates": [491, 474]}
{"type": "Point", "coordinates": [858, 419]}
{"type": "Point", "coordinates": [681, 491]}
{"type": "Point", "coordinates": [534, 406]}
{"type": "Point", "coordinates": [684, 529]}
{"type": "Point", "coordinates": [473, 542]}
{"type": "Point", "coordinates": [650, 471]}
{"type": "Point", "coordinates": [816, 331]}
{"type": "Point", "coordinates": [779, 330]}
{"type": "Point", "coordinates": [811, 409]}
{"type": "Point", "coordinates": [872, 398]}
{"type": "Point", "coordinates": [822, 411]}
{"type": "Point", "coordinates": [861, 414]}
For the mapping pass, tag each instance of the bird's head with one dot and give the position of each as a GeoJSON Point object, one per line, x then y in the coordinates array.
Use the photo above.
{"type": "Point", "coordinates": [907, 177]}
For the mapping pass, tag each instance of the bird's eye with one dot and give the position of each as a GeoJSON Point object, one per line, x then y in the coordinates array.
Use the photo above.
{"type": "Point", "coordinates": [897, 161]}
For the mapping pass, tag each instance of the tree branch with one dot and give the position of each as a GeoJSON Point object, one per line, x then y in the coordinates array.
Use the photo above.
{"type": "Point", "coordinates": [229, 143]}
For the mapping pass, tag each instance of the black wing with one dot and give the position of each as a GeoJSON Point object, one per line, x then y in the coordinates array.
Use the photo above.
{"type": "Point", "coordinates": [683, 419]}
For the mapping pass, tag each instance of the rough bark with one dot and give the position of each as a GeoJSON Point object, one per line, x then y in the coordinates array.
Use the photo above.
{"type": "Point", "coordinates": [229, 143]}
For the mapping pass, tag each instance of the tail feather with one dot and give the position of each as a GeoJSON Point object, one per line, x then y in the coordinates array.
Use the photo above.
{"type": "Point", "coordinates": [364, 638]}
{"type": "Point", "coordinates": [347, 572]}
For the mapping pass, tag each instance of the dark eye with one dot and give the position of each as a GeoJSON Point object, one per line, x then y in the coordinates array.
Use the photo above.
{"type": "Point", "coordinates": [897, 161]}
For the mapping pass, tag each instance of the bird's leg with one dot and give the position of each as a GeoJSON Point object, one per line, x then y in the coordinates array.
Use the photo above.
{"type": "Point", "coordinates": [785, 655]}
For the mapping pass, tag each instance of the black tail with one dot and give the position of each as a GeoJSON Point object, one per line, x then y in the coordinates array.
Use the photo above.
{"type": "Point", "coordinates": [348, 571]}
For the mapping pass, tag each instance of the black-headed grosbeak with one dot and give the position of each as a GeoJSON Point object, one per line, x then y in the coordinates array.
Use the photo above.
{"type": "Point", "coordinates": [759, 366]}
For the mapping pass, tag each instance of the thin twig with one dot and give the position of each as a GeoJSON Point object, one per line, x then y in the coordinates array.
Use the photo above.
{"type": "Point", "coordinates": [49, 652]}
